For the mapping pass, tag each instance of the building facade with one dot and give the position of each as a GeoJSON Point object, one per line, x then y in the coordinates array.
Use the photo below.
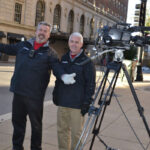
{"type": "Point", "coordinates": [18, 18]}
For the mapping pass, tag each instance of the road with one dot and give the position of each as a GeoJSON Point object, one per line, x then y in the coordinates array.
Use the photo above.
{"type": "Point", "coordinates": [6, 72]}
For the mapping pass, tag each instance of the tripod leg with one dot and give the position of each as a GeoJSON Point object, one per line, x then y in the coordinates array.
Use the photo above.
{"type": "Point", "coordinates": [92, 110]}
{"type": "Point", "coordinates": [83, 132]}
{"type": "Point", "coordinates": [140, 108]}
{"type": "Point", "coordinates": [105, 102]}
{"type": "Point", "coordinates": [96, 130]}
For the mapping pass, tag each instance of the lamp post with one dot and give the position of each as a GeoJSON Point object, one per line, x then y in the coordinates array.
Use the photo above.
{"type": "Point", "coordinates": [139, 76]}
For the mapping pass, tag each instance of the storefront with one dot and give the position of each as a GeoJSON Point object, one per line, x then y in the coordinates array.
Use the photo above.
{"type": "Point", "coordinates": [11, 38]}
{"type": "Point", "coordinates": [2, 35]}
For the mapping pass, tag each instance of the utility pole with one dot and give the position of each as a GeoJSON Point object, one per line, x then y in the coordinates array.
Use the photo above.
{"type": "Point", "coordinates": [142, 16]}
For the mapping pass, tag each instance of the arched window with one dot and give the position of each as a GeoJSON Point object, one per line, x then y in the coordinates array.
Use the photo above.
{"type": "Point", "coordinates": [82, 25]}
{"type": "Point", "coordinates": [70, 22]}
{"type": "Point", "coordinates": [57, 17]}
{"type": "Point", "coordinates": [40, 12]}
{"type": "Point", "coordinates": [91, 27]}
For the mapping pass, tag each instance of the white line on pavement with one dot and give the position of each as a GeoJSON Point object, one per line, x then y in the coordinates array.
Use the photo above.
{"type": "Point", "coordinates": [8, 115]}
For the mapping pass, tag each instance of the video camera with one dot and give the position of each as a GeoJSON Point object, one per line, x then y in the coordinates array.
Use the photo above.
{"type": "Point", "coordinates": [121, 35]}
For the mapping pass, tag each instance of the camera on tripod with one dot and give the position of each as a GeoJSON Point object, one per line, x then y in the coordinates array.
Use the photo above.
{"type": "Point", "coordinates": [121, 35]}
{"type": "Point", "coordinates": [115, 40]}
{"type": "Point", "coordinates": [115, 36]}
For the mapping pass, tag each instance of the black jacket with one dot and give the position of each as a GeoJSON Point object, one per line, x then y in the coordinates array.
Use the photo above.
{"type": "Point", "coordinates": [31, 75]}
{"type": "Point", "coordinates": [75, 95]}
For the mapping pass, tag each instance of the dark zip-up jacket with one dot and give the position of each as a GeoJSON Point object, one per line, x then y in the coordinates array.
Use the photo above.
{"type": "Point", "coordinates": [73, 96]}
{"type": "Point", "coordinates": [31, 75]}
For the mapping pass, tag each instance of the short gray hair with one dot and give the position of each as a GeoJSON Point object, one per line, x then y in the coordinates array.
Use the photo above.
{"type": "Point", "coordinates": [78, 35]}
{"type": "Point", "coordinates": [45, 24]}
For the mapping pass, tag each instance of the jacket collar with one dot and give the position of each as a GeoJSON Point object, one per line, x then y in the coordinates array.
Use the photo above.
{"type": "Point", "coordinates": [72, 59]}
{"type": "Point", "coordinates": [75, 59]}
{"type": "Point", "coordinates": [31, 41]}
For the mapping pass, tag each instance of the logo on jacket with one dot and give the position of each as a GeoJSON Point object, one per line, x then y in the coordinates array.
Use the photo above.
{"type": "Point", "coordinates": [65, 62]}
{"type": "Point", "coordinates": [25, 48]}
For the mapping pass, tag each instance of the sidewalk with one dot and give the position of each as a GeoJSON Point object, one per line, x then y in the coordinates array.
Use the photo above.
{"type": "Point", "coordinates": [115, 130]}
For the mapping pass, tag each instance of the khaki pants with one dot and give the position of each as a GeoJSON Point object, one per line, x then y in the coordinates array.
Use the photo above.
{"type": "Point", "coordinates": [69, 127]}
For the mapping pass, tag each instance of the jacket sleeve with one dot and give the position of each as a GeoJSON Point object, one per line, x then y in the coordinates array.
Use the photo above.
{"type": "Point", "coordinates": [10, 49]}
{"type": "Point", "coordinates": [55, 64]}
{"type": "Point", "coordinates": [89, 76]}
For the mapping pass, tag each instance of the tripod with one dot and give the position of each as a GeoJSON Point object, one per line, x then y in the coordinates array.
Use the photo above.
{"type": "Point", "coordinates": [105, 100]}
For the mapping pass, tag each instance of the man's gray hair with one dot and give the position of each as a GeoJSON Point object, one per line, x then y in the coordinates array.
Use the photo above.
{"type": "Point", "coordinates": [76, 34]}
{"type": "Point", "coordinates": [45, 24]}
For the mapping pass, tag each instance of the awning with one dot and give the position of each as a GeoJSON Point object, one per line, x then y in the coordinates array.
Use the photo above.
{"type": "Point", "coordinates": [15, 36]}
{"type": "Point", "coordinates": [2, 34]}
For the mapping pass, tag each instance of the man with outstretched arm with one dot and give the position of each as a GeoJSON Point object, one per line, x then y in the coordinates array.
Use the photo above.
{"type": "Point", "coordinates": [34, 60]}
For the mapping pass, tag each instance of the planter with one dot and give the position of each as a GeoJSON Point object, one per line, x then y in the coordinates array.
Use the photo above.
{"type": "Point", "coordinates": [131, 66]}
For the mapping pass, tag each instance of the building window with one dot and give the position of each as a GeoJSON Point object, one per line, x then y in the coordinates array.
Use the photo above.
{"type": "Point", "coordinates": [40, 12]}
{"type": "Point", "coordinates": [18, 11]}
{"type": "Point", "coordinates": [70, 22]}
{"type": "Point", "coordinates": [57, 17]}
{"type": "Point", "coordinates": [82, 25]}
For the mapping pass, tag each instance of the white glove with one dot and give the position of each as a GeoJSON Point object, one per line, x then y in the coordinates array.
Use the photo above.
{"type": "Point", "coordinates": [68, 78]}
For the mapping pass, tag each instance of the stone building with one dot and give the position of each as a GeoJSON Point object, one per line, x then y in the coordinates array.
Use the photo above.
{"type": "Point", "coordinates": [18, 19]}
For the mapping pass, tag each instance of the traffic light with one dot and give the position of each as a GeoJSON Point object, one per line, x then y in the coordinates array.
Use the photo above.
{"type": "Point", "coordinates": [137, 14]}
{"type": "Point", "coordinates": [142, 13]}
{"type": "Point", "coordinates": [142, 7]}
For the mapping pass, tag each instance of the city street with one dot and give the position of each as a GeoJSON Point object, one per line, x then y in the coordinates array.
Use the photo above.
{"type": "Point", "coordinates": [120, 121]}
{"type": "Point", "coordinates": [6, 72]}
{"type": "Point", "coordinates": [111, 30]}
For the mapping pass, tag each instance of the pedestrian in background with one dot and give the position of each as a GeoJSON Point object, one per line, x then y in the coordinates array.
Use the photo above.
{"type": "Point", "coordinates": [73, 100]}
{"type": "Point", "coordinates": [34, 60]}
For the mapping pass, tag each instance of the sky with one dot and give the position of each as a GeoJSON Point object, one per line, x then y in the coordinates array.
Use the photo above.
{"type": "Point", "coordinates": [131, 9]}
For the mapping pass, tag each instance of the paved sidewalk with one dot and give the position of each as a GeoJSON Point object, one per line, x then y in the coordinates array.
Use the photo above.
{"type": "Point", "coordinates": [115, 130]}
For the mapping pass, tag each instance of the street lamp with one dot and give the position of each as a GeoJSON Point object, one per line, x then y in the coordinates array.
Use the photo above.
{"type": "Point", "coordinates": [140, 49]}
